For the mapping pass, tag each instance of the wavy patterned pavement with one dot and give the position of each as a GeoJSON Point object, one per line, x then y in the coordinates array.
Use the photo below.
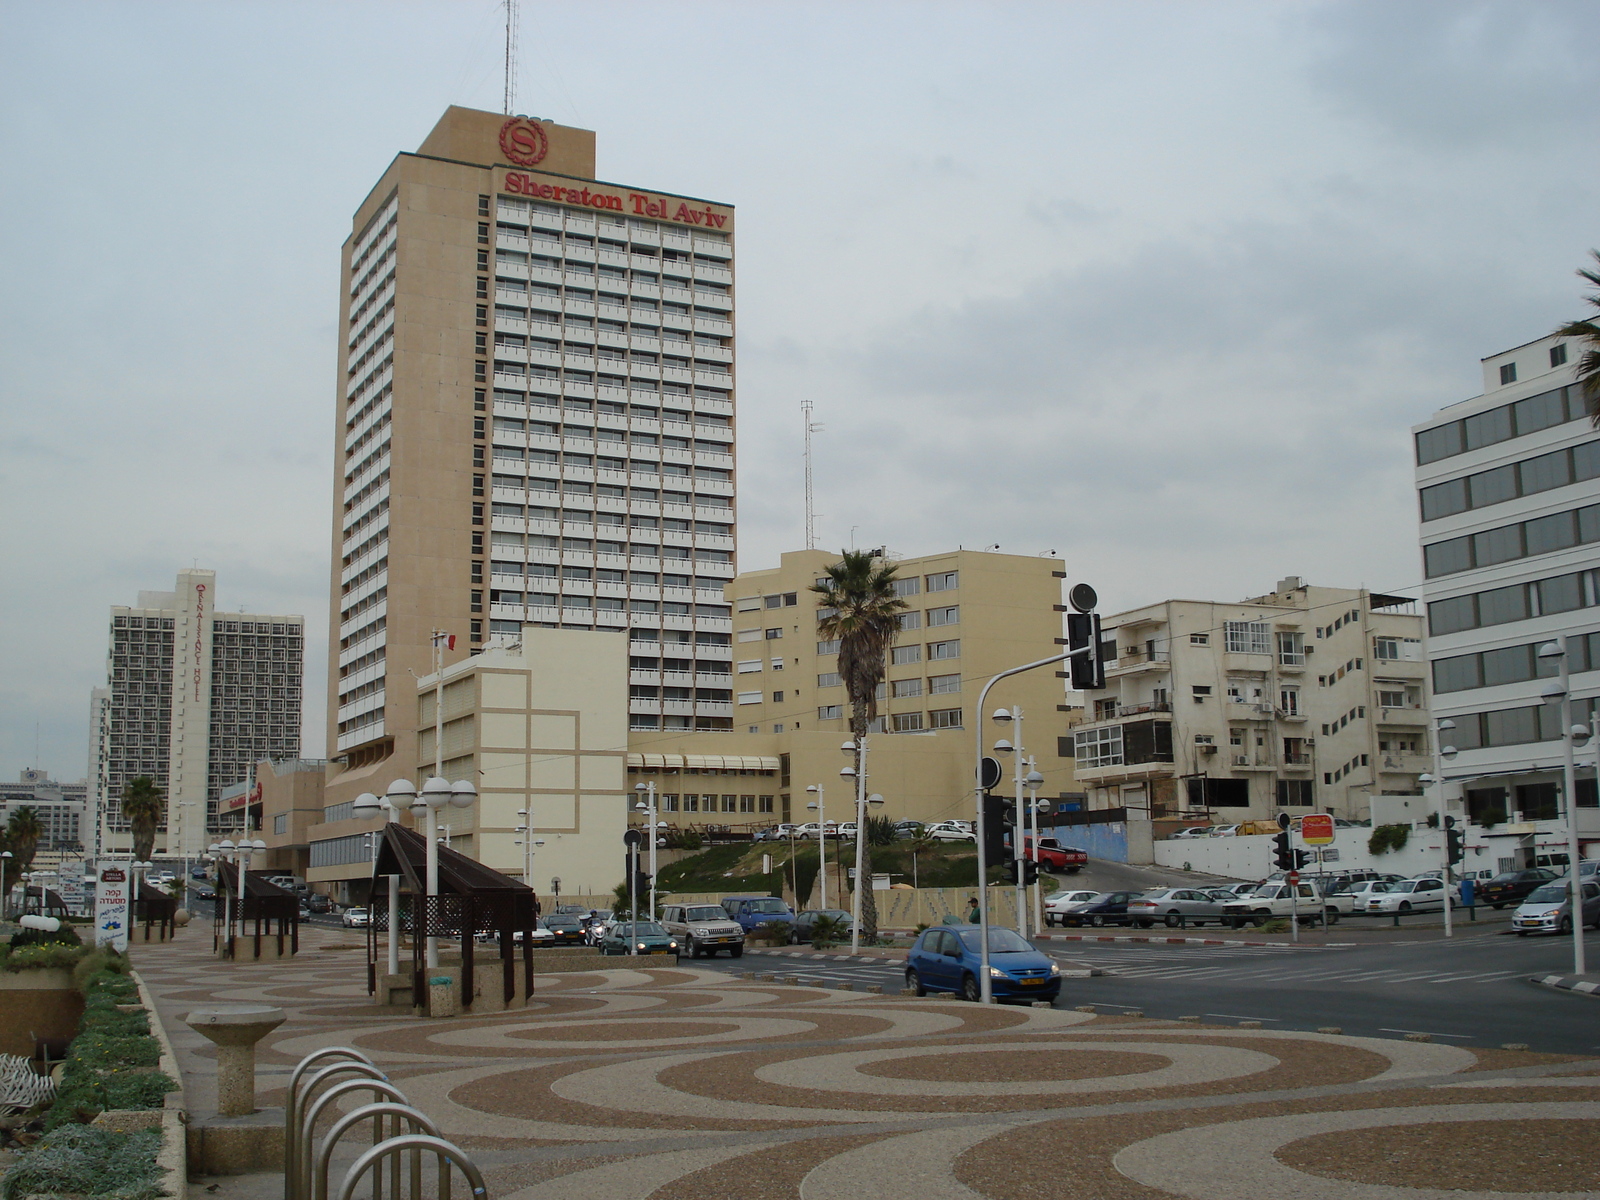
{"type": "Point", "coordinates": [681, 1084]}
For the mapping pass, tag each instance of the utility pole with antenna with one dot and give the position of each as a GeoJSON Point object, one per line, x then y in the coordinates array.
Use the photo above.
{"type": "Point", "coordinates": [511, 57]}
{"type": "Point", "coordinates": [811, 512]}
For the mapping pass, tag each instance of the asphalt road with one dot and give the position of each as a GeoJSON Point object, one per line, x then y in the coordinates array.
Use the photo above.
{"type": "Point", "coordinates": [1471, 991]}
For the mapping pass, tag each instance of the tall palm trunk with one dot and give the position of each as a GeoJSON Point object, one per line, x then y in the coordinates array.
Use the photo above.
{"type": "Point", "coordinates": [869, 902]}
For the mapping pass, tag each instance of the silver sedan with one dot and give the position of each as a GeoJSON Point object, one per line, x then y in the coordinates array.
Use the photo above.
{"type": "Point", "coordinates": [1175, 906]}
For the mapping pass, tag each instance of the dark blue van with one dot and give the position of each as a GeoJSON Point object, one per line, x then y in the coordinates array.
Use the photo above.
{"type": "Point", "coordinates": [751, 912]}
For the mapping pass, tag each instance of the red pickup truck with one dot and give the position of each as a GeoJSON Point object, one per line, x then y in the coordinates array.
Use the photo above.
{"type": "Point", "coordinates": [1052, 856]}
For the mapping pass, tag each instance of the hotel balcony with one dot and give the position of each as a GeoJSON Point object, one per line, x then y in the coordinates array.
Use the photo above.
{"type": "Point", "coordinates": [1133, 660]}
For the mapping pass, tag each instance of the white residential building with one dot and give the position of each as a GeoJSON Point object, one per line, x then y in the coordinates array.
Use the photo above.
{"type": "Point", "coordinates": [1308, 697]}
{"type": "Point", "coordinates": [1509, 489]}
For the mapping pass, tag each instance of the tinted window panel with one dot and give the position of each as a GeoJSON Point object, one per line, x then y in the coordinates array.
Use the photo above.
{"type": "Point", "coordinates": [1513, 664]}
{"type": "Point", "coordinates": [1444, 499]}
{"type": "Point", "coordinates": [1511, 726]}
{"type": "Point", "coordinates": [1487, 428]}
{"type": "Point", "coordinates": [1555, 532]}
{"type": "Point", "coordinates": [1457, 674]}
{"type": "Point", "coordinates": [1503, 604]}
{"type": "Point", "coordinates": [1491, 487]}
{"type": "Point", "coordinates": [1589, 523]}
{"type": "Point", "coordinates": [1545, 472]}
{"type": "Point", "coordinates": [1497, 545]}
{"type": "Point", "coordinates": [1586, 460]}
{"type": "Point", "coordinates": [1453, 615]}
{"type": "Point", "coordinates": [1540, 412]}
{"type": "Point", "coordinates": [1440, 442]}
{"type": "Point", "coordinates": [1468, 733]}
{"type": "Point", "coordinates": [1561, 594]}
{"type": "Point", "coordinates": [1445, 558]}
{"type": "Point", "coordinates": [1575, 405]}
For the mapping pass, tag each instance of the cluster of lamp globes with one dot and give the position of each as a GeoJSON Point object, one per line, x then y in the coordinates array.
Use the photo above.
{"type": "Point", "coordinates": [402, 793]}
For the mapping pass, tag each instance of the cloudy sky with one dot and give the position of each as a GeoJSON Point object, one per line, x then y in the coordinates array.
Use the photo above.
{"type": "Point", "coordinates": [1158, 286]}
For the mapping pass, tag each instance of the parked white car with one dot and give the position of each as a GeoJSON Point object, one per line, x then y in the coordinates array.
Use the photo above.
{"type": "Point", "coordinates": [1407, 896]}
{"type": "Point", "coordinates": [1194, 831]}
{"type": "Point", "coordinates": [1222, 830]}
{"type": "Point", "coordinates": [1064, 902]}
{"type": "Point", "coordinates": [951, 831]}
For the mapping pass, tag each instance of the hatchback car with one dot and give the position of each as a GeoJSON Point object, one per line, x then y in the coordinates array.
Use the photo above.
{"type": "Point", "coordinates": [948, 958]}
{"type": "Point", "coordinates": [642, 937]}
{"type": "Point", "coordinates": [1064, 902]}
{"type": "Point", "coordinates": [566, 929]}
{"type": "Point", "coordinates": [1174, 907]}
{"type": "Point", "coordinates": [1109, 908]}
{"type": "Point", "coordinates": [1509, 886]}
{"type": "Point", "coordinates": [1548, 909]}
{"type": "Point", "coordinates": [1409, 895]}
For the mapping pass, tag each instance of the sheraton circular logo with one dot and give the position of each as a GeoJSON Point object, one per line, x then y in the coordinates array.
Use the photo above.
{"type": "Point", "coordinates": [523, 142]}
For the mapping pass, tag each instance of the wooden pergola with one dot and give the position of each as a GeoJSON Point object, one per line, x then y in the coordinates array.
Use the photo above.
{"type": "Point", "coordinates": [267, 912]}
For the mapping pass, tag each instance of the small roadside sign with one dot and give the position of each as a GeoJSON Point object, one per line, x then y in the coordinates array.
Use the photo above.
{"type": "Point", "coordinates": [1293, 877]}
{"type": "Point", "coordinates": [1316, 829]}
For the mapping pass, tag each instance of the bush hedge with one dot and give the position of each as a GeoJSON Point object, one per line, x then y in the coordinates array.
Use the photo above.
{"type": "Point", "coordinates": [110, 1063]}
{"type": "Point", "coordinates": [82, 1160]}
{"type": "Point", "coordinates": [65, 936]}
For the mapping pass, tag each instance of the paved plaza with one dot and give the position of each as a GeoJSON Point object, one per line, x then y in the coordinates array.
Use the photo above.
{"type": "Point", "coordinates": [682, 1084]}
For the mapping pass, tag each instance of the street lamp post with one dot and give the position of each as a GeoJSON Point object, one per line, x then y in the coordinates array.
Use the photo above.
{"type": "Point", "coordinates": [648, 804]}
{"type": "Point", "coordinates": [1443, 753]}
{"type": "Point", "coordinates": [368, 805]}
{"type": "Point", "coordinates": [1560, 689]}
{"type": "Point", "coordinates": [859, 773]}
{"type": "Point", "coordinates": [822, 842]}
{"type": "Point", "coordinates": [1033, 781]}
{"type": "Point", "coordinates": [5, 893]}
{"type": "Point", "coordinates": [1019, 832]}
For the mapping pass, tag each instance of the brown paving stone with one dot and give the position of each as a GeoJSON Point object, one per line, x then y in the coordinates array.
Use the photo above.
{"type": "Point", "coordinates": [1508, 1156]}
{"type": "Point", "coordinates": [772, 1174]}
{"type": "Point", "coordinates": [503, 1180]}
{"type": "Point", "coordinates": [1006, 1066]}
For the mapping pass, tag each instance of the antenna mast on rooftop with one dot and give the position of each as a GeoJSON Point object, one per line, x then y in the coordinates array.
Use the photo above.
{"type": "Point", "coordinates": [511, 57]}
{"type": "Point", "coordinates": [811, 512]}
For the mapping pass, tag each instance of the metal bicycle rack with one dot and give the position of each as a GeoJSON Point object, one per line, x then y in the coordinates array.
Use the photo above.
{"type": "Point", "coordinates": [445, 1155]}
{"type": "Point", "coordinates": [399, 1131]}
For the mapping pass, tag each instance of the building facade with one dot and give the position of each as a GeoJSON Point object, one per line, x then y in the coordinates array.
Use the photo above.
{"type": "Point", "coordinates": [62, 809]}
{"type": "Point", "coordinates": [193, 697]}
{"type": "Point", "coordinates": [535, 421]}
{"type": "Point", "coordinates": [1305, 698]}
{"type": "Point", "coordinates": [970, 615]}
{"type": "Point", "coordinates": [1509, 497]}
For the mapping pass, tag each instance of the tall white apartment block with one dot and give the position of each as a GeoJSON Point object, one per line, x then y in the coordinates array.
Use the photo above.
{"type": "Point", "coordinates": [535, 424]}
{"type": "Point", "coordinates": [1305, 698]}
{"type": "Point", "coordinates": [1509, 490]}
{"type": "Point", "coordinates": [193, 697]}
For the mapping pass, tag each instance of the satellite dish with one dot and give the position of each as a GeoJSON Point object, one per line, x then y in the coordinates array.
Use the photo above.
{"type": "Point", "coordinates": [1083, 597]}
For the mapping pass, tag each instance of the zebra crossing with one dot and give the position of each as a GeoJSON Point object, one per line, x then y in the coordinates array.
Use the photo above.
{"type": "Point", "coordinates": [1272, 964]}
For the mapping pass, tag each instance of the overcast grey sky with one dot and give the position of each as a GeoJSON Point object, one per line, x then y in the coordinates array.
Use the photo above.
{"type": "Point", "coordinates": [1159, 286]}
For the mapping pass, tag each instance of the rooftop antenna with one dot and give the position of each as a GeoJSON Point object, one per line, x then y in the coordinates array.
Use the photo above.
{"type": "Point", "coordinates": [511, 57]}
{"type": "Point", "coordinates": [811, 513]}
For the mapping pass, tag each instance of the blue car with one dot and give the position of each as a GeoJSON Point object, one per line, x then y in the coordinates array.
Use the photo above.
{"type": "Point", "coordinates": [946, 958]}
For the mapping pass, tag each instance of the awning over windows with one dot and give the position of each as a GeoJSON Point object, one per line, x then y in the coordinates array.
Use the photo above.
{"type": "Point", "coordinates": [703, 762]}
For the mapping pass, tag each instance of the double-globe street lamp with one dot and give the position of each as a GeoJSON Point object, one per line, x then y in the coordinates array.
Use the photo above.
{"type": "Point", "coordinates": [435, 794]}
{"type": "Point", "coordinates": [369, 804]}
{"type": "Point", "coordinates": [647, 805]}
{"type": "Point", "coordinates": [233, 903]}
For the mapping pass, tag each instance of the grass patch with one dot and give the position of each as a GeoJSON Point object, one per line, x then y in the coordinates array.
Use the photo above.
{"type": "Point", "coordinates": [80, 1160]}
{"type": "Point", "coordinates": [111, 1063]}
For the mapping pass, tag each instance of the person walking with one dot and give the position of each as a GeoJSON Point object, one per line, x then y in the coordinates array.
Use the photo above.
{"type": "Point", "coordinates": [972, 911]}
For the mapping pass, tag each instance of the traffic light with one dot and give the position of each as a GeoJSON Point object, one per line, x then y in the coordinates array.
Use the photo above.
{"type": "Point", "coordinates": [1030, 872]}
{"type": "Point", "coordinates": [641, 887]}
{"type": "Point", "coordinates": [1301, 858]}
{"type": "Point", "coordinates": [1011, 871]}
{"type": "Point", "coordinates": [1281, 854]}
{"type": "Point", "coordinates": [1088, 671]}
{"type": "Point", "coordinates": [994, 827]}
{"type": "Point", "coordinates": [1455, 840]}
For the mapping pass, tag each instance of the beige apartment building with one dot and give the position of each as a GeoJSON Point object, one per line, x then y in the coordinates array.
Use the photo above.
{"type": "Point", "coordinates": [535, 424]}
{"type": "Point", "coordinates": [1305, 698]}
{"type": "Point", "coordinates": [971, 614]}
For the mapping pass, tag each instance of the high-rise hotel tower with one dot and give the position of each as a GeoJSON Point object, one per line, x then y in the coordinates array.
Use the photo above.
{"type": "Point", "coordinates": [535, 424]}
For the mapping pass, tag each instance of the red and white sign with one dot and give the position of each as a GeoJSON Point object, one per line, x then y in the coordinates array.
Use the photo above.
{"type": "Point", "coordinates": [639, 203]}
{"type": "Point", "coordinates": [1293, 878]}
{"type": "Point", "coordinates": [524, 142]}
{"type": "Point", "coordinates": [253, 796]}
{"type": "Point", "coordinates": [1316, 829]}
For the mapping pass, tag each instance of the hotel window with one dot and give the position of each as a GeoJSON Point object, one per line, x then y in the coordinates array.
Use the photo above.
{"type": "Point", "coordinates": [1246, 637]}
{"type": "Point", "coordinates": [830, 712]}
{"type": "Point", "coordinates": [1558, 355]}
{"type": "Point", "coordinates": [749, 697]}
{"type": "Point", "coordinates": [944, 616]}
{"type": "Point", "coordinates": [828, 679]}
{"type": "Point", "coordinates": [1508, 374]}
{"type": "Point", "coordinates": [902, 655]}
{"type": "Point", "coordinates": [946, 581]}
{"type": "Point", "coordinates": [911, 620]}
{"type": "Point", "coordinates": [1199, 639]}
{"type": "Point", "coordinates": [907, 587]}
{"type": "Point", "coordinates": [691, 803]}
{"type": "Point", "coordinates": [765, 804]}
{"type": "Point", "coordinates": [907, 722]}
{"type": "Point", "coordinates": [939, 685]}
{"type": "Point", "coordinates": [905, 687]}
{"type": "Point", "coordinates": [945, 718]}
{"type": "Point", "coordinates": [774, 634]}
{"type": "Point", "coordinates": [669, 803]}
{"type": "Point", "coordinates": [749, 666]}
{"type": "Point", "coordinates": [943, 650]}
{"type": "Point", "coordinates": [828, 647]}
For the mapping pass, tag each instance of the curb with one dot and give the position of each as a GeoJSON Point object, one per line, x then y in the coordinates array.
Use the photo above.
{"type": "Point", "coordinates": [1568, 983]}
{"type": "Point", "coordinates": [1086, 973]}
{"type": "Point", "coordinates": [1155, 941]}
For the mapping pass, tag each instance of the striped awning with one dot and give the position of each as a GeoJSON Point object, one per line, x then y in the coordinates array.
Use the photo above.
{"type": "Point", "coordinates": [703, 762]}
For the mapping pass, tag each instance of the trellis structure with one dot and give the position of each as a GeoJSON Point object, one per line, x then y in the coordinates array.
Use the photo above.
{"type": "Point", "coordinates": [267, 920]}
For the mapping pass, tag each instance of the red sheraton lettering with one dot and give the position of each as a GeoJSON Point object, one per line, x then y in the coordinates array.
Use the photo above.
{"type": "Point", "coordinates": [643, 205]}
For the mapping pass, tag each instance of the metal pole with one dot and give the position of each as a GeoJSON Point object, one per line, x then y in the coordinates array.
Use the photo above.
{"type": "Point", "coordinates": [1038, 886]}
{"type": "Point", "coordinates": [1020, 829]}
{"type": "Point", "coordinates": [1444, 829]}
{"type": "Point", "coordinates": [651, 792]}
{"type": "Point", "coordinates": [986, 992]}
{"type": "Point", "coordinates": [1570, 794]}
{"type": "Point", "coordinates": [633, 900]}
{"type": "Point", "coordinates": [861, 842]}
{"type": "Point", "coordinates": [244, 865]}
{"type": "Point", "coordinates": [822, 847]}
{"type": "Point", "coordinates": [432, 859]}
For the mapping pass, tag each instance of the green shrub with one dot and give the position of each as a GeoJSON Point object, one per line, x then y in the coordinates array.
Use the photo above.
{"type": "Point", "coordinates": [65, 936]}
{"type": "Point", "coordinates": [773, 933]}
{"type": "Point", "coordinates": [880, 831]}
{"type": "Point", "coordinates": [1388, 837]}
{"type": "Point", "coordinates": [100, 959]}
{"type": "Point", "coordinates": [826, 931]}
{"type": "Point", "coordinates": [109, 1064]}
{"type": "Point", "coordinates": [41, 956]}
{"type": "Point", "coordinates": [85, 1161]}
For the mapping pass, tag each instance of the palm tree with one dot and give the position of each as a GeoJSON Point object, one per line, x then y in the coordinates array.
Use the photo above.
{"type": "Point", "coordinates": [1588, 372]}
{"type": "Point", "coordinates": [862, 612]}
{"type": "Point", "coordinates": [143, 809]}
{"type": "Point", "coordinates": [23, 832]}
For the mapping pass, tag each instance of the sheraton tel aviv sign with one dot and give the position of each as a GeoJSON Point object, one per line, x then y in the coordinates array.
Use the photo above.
{"type": "Point", "coordinates": [524, 143]}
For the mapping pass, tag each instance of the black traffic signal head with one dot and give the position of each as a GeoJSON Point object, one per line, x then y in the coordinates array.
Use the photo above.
{"type": "Point", "coordinates": [1030, 871]}
{"type": "Point", "coordinates": [1301, 858]}
{"type": "Point", "coordinates": [994, 829]}
{"type": "Point", "coordinates": [1455, 841]}
{"type": "Point", "coordinates": [1011, 871]}
{"type": "Point", "coordinates": [1281, 854]}
{"type": "Point", "coordinates": [1088, 671]}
